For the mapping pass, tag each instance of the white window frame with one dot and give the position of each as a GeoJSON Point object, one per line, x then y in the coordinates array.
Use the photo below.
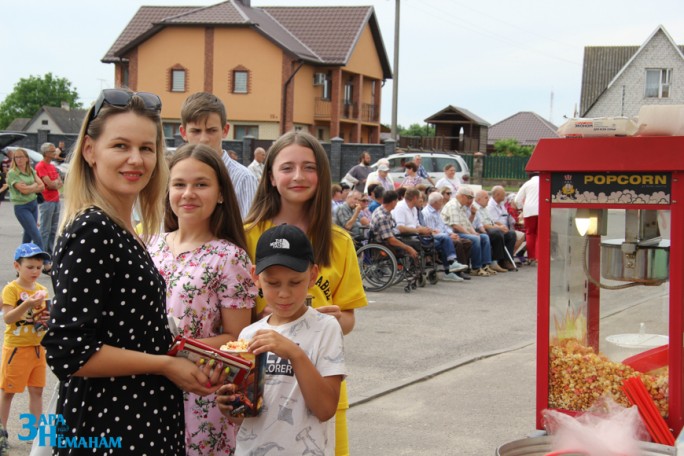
{"type": "Point", "coordinates": [246, 130]}
{"type": "Point", "coordinates": [327, 88]}
{"type": "Point", "coordinates": [240, 81]}
{"type": "Point", "coordinates": [348, 93]}
{"type": "Point", "coordinates": [664, 78]}
{"type": "Point", "coordinates": [178, 80]}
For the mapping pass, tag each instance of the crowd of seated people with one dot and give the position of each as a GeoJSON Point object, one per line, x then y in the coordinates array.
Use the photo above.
{"type": "Point", "coordinates": [475, 232]}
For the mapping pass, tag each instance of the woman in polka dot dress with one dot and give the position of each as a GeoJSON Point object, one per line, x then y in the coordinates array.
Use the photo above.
{"type": "Point", "coordinates": [108, 332]}
{"type": "Point", "coordinates": [207, 271]}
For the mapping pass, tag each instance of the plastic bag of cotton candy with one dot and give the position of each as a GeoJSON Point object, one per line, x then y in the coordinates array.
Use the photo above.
{"type": "Point", "coordinates": [607, 429]}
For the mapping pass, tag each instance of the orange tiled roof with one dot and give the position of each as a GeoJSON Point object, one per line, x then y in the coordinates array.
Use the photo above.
{"type": "Point", "coordinates": [319, 35]}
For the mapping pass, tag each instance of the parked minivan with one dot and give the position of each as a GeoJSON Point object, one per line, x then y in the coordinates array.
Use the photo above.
{"type": "Point", "coordinates": [433, 163]}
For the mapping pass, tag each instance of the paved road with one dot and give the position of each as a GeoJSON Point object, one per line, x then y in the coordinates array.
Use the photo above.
{"type": "Point", "coordinates": [446, 369]}
{"type": "Point", "coordinates": [399, 338]}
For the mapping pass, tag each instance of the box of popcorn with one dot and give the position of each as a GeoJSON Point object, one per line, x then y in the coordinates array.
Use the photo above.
{"type": "Point", "coordinates": [251, 390]}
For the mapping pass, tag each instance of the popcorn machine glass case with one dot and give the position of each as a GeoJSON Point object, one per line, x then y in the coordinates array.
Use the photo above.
{"type": "Point", "coordinates": [610, 270]}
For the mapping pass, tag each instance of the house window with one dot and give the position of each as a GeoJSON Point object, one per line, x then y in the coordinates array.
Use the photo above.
{"type": "Point", "coordinates": [348, 92]}
{"type": "Point", "coordinates": [177, 80]}
{"type": "Point", "coordinates": [171, 129]}
{"type": "Point", "coordinates": [373, 89]}
{"type": "Point", "coordinates": [327, 88]}
{"type": "Point", "coordinates": [246, 130]}
{"type": "Point", "coordinates": [658, 82]}
{"type": "Point", "coordinates": [240, 81]}
{"type": "Point", "coordinates": [44, 122]}
{"type": "Point", "coordinates": [124, 75]}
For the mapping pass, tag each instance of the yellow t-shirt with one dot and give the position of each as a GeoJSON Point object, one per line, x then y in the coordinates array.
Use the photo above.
{"type": "Point", "coordinates": [22, 333]}
{"type": "Point", "coordinates": [338, 284]}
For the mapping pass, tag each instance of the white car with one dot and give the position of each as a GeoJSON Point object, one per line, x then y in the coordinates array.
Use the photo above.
{"type": "Point", "coordinates": [433, 163]}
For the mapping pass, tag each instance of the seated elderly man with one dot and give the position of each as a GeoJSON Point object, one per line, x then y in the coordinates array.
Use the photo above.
{"type": "Point", "coordinates": [384, 226]}
{"type": "Point", "coordinates": [459, 215]}
{"type": "Point", "coordinates": [500, 237]}
{"type": "Point", "coordinates": [406, 216]}
{"type": "Point", "coordinates": [376, 196]}
{"type": "Point", "coordinates": [500, 215]}
{"type": "Point", "coordinates": [381, 176]}
{"type": "Point", "coordinates": [433, 220]}
{"type": "Point", "coordinates": [348, 216]}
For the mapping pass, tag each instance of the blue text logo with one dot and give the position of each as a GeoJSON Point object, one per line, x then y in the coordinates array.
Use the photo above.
{"type": "Point", "coordinates": [50, 430]}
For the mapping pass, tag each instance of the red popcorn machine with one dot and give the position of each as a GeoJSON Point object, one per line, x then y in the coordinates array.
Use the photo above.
{"type": "Point", "coordinates": [610, 298]}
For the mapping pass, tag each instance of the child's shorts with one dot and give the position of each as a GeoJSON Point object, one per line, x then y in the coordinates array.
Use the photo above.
{"type": "Point", "coordinates": [22, 367]}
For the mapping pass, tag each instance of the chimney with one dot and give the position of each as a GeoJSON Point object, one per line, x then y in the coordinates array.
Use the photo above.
{"type": "Point", "coordinates": [65, 106]}
{"type": "Point", "coordinates": [246, 3]}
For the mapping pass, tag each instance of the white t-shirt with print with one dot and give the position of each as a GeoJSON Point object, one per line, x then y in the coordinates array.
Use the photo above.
{"type": "Point", "coordinates": [285, 423]}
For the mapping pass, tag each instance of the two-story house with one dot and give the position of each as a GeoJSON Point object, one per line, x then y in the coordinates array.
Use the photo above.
{"type": "Point", "coordinates": [618, 80]}
{"type": "Point", "coordinates": [276, 68]}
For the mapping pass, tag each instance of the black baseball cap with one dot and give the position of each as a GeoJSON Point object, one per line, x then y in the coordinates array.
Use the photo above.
{"type": "Point", "coordinates": [284, 245]}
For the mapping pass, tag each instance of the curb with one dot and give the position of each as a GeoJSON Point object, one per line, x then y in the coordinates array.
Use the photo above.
{"type": "Point", "coordinates": [431, 373]}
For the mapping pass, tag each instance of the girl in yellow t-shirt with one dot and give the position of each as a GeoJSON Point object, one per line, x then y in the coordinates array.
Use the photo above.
{"type": "Point", "coordinates": [295, 189]}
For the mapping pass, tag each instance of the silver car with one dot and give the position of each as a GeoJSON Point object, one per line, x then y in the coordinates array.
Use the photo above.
{"type": "Point", "coordinates": [433, 163]}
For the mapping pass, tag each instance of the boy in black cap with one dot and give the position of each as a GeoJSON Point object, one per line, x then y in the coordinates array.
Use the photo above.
{"type": "Point", "coordinates": [305, 353]}
{"type": "Point", "coordinates": [24, 311]}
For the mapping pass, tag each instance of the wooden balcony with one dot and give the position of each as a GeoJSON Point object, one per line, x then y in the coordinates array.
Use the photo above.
{"type": "Point", "coordinates": [370, 113]}
{"type": "Point", "coordinates": [322, 108]}
{"type": "Point", "coordinates": [349, 111]}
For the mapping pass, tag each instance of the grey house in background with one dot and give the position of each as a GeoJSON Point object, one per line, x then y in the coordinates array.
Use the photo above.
{"type": "Point", "coordinates": [56, 120]}
{"type": "Point", "coordinates": [618, 80]}
{"type": "Point", "coordinates": [526, 127]}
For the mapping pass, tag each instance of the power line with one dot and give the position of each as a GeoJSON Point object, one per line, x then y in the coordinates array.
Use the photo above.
{"type": "Point", "coordinates": [447, 17]}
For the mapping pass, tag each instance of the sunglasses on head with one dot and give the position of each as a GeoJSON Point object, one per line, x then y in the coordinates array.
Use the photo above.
{"type": "Point", "coordinates": [121, 98]}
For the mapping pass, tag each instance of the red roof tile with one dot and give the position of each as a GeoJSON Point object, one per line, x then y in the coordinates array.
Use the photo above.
{"type": "Point", "coordinates": [223, 13]}
{"type": "Point", "coordinates": [141, 25]}
{"type": "Point", "coordinates": [330, 32]}
{"type": "Point", "coordinates": [321, 35]}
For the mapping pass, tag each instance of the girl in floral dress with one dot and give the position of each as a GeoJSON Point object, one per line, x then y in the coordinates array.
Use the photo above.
{"type": "Point", "coordinates": [207, 271]}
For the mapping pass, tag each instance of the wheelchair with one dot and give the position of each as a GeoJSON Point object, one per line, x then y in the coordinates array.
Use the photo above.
{"type": "Point", "coordinates": [381, 266]}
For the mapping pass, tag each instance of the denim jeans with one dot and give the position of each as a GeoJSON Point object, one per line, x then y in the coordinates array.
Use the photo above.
{"type": "Point", "coordinates": [445, 249]}
{"type": "Point", "coordinates": [27, 214]}
{"type": "Point", "coordinates": [49, 219]}
{"type": "Point", "coordinates": [481, 250]}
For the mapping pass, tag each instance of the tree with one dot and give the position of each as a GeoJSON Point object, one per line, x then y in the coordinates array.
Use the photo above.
{"type": "Point", "coordinates": [511, 148]}
{"type": "Point", "coordinates": [32, 93]}
{"type": "Point", "coordinates": [416, 130]}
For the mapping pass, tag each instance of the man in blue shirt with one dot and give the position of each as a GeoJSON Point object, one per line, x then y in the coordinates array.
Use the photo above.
{"type": "Point", "coordinates": [433, 220]}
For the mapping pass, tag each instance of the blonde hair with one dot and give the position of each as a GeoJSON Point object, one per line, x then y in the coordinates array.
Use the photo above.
{"type": "Point", "coordinates": [267, 202]}
{"type": "Point", "coordinates": [13, 164]}
{"type": "Point", "coordinates": [80, 184]}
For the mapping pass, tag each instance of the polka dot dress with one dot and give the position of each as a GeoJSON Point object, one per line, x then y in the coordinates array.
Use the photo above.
{"type": "Point", "coordinates": [107, 291]}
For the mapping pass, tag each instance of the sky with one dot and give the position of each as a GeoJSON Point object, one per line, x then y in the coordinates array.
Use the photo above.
{"type": "Point", "coordinates": [492, 57]}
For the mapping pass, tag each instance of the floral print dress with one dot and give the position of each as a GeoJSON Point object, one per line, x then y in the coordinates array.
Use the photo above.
{"type": "Point", "coordinates": [200, 283]}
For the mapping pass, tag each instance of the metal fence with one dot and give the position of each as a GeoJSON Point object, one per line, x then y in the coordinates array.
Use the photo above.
{"type": "Point", "coordinates": [468, 158]}
{"type": "Point", "coordinates": [496, 167]}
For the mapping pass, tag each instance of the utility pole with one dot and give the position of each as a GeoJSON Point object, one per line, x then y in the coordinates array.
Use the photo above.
{"type": "Point", "coordinates": [395, 76]}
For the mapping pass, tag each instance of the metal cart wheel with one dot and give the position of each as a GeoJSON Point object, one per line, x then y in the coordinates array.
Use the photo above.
{"type": "Point", "coordinates": [378, 267]}
{"type": "Point", "coordinates": [432, 277]}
